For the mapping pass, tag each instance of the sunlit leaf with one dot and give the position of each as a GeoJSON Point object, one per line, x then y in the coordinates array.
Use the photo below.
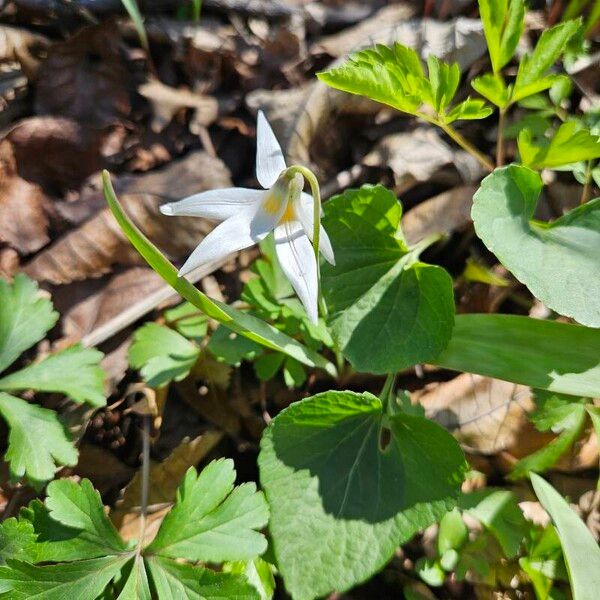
{"type": "Point", "coordinates": [503, 22]}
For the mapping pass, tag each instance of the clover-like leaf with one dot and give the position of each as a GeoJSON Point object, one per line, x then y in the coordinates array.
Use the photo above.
{"type": "Point", "coordinates": [162, 354]}
{"type": "Point", "coordinates": [569, 144]}
{"type": "Point", "coordinates": [336, 469]}
{"type": "Point", "coordinates": [211, 520]}
{"type": "Point", "coordinates": [559, 261]}
{"type": "Point", "coordinates": [37, 440]}
{"type": "Point", "coordinates": [24, 318]}
{"type": "Point", "coordinates": [389, 311]}
{"type": "Point", "coordinates": [56, 374]}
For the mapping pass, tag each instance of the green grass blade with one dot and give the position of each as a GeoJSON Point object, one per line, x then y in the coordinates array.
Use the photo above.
{"type": "Point", "coordinates": [242, 323]}
{"type": "Point", "coordinates": [138, 21]}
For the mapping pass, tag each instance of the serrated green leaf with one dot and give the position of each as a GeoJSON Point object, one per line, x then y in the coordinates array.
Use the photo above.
{"type": "Point", "coordinates": [327, 477]}
{"type": "Point", "coordinates": [548, 355]}
{"type": "Point", "coordinates": [136, 584]}
{"type": "Point", "coordinates": [55, 374]}
{"type": "Point", "coordinates": [211, 520]}
{"type": "Point", "coordinates": [24, 318]}
{"type": "Point", "coordinates": [499, 512]}
{"type": "Point", "coordinates": [492, 88]}
{"type": "Point", "coordinates": [162, 354]}
{"type": "Point", "coordinates": [231, 348]}
{"type": "Point", "coordinates": [569, 144]}
{"type": "Point", "coordinates": [560, 261]}
{"type": "Point", "coordinates": [532, 74]}
{"type": "Point", "coordinates": [547, 456]}
{"type": "Point", "coordinates": [84, 579]}
{"type": "Point", "coordinates": [443, 81]}
{"type": "Point", "coordinates": [37, 441]}
{"type": "Point", "coordinates": [187, 320]}
{"type": "Point", "coordinates": [17, 539]}
{"type": "Point", "coordinates": [554, 412]}
{"type": "Point", "coordinates": [258, 572]}
{"type": "Point", "coordinates": [580, 549]}
{"type": "Point", "coordinates": [503, 22]}
{"type": "Point", "coordinates": [469, 109]}
{"type": "Point", "coordinates": [176, 581]}
{"type": "Point", "coordinates": [388, 311]}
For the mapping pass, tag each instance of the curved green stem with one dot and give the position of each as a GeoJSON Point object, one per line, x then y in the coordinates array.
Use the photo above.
{"type": "Point", "coordinates": [465, 145]}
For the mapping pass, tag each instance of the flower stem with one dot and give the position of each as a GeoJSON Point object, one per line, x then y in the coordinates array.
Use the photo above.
{"type": "Point", "coordinates": [145, 481]}
{"type": "Point", "coordinates": [500, 139]}
{"type": "Point", "coordinates": [585, 192]}
{"type": "Point", "coordinates": [462, 142]}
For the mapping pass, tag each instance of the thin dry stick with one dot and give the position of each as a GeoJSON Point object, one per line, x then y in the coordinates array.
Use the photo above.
{"type": "Point", "coordinates": [145, 481]}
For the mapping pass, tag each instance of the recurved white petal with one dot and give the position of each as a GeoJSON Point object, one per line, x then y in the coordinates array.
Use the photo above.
{"type": "Point", "coordinates": [305, 214]}
{"type": "Point", "coordinates": [269, 157]}
{"type": "Point", "coordinates": [214, 204]}
{"type": "Point", "coordinates": [249, 226]}
{"type": "Point", "coordinates": [297, 259]}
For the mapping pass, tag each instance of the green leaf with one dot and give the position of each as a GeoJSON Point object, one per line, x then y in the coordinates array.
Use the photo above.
{"type": "Point", "coordinates": [499, 512]}
{"type": "Point", "coordinates": [162, 354]}
{"type": "Point", "coordinates": [24, 318]}
{"type": "Point", "coordinates": [136, 585]}
{"type": "Point", "coordinates": [503, 22]}
{"type": "Point", "coordinates": [294, 374]}
{"type": "Point", "coordinates": [560, 261]}
{"type": "Point", "coordinates": [84, 579]}
{"type": "Point", "coordinates": [17, 539]}
{"type": "Point", "coordinates": [175, 581]}
{"type": "Point", "coordinates": [430, 571]}
{"type": "Point", "coordinates": [258, 572]}
{"type": "Point", "coordinates": [188, 321]}
{"type": "Point", "coordinates": [469, 109]}
{"type": "Point", "coordinates": [138, 22]}
{"type": "Point", "coordinates": [329, 475]}
{"type": "Point", "coordinates": [559, 357]}
{"type": "Point", "coordinates": [532, 74]}
{"type": "Point", "coordinates": [492, 88]}
{"type": "Point", "coordinates": [555, 412]}
{"type": "Point", "coordinates": [242, 323]}
{"type": "Point", "coordinates": [388, 310]}
{"type": "Point", "coordinates": [443, 80]}
{"type": "Point", "coordinates": [37, 440]}
{"type": "Point", "coordinates": [547, 456]}
{"type": "Point", "coordinates": [569, 144]}
{"type": "Point", "coordinates": [581, 551]}
{"type": "Point", "coordinates": [55, 374]}
{"type": "Point", "coordinates": [267, 365]}
{"type": "Point", "coordinates": [213, 521]}
{"type": "Point", "coordinates": [231, 348]}
{"type": "Point", "coordinates": [453, 532]}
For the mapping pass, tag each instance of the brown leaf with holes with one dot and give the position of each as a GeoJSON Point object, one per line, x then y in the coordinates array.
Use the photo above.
{"type": "Point", "coordinates": [87, 77]}
{"type": "Point", "coordinates": [24, 208]}
{"type": "Point", "coordinates": [98, 244]}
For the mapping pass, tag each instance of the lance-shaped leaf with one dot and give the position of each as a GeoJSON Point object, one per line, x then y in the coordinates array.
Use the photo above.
{"type": "Point", "coordinates": [559, 261]}
{"type": "Point", "coordinates": [84, 579]}
{"type": "Point", "coordinates": [24, 318]}
{"type": "Point", "coordinates": [136, 585]}
{"type": "Point", "coordinates": [162, 354]}
{"type": "Point", "coordinates": [336, 469]}
{"type": "Point", "coordinates": [213, 521]}
{"type": "Point", "coordinates": [37, 440]}
{"type": "Point", "coordinates": [548, 355]}
{"type": "Point", "coordinates": [389, 310]}
{"type": "Point", "coordinates": [580, 549]}
{"type": "Point", "coordinates": [173, 581]}
{"type": "Point", "coordinates": [242, 323]}
{"type": "Point", "coordinates": [75, 372]}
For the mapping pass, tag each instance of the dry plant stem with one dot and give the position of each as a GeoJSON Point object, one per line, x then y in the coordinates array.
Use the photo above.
{"type": "Point", "coordinates": [500, 139]}
{"type": "Point", "coordinates": [145, 481]}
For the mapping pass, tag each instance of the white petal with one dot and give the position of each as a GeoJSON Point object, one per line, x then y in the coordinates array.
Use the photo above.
{"type": "Point", "coordinates": [248, 227]}
{"type": "Point", "coordinates": [304, 211]}
{"type": "Point", "coordinates": [297, 260]}
{"type": "Point", "coordinates": [269, 157]}
{"type": "Point", "coordinates": [214, 204]}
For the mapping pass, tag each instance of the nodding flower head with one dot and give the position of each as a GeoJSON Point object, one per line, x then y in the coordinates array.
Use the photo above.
{"type": "Point", "coordinates": [249, 215]}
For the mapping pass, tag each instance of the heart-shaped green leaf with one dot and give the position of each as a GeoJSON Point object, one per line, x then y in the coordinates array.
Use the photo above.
{"type": "Point", "coordinates": [559, 261]}
{"type": "Point", "coordinates": [336, 469]}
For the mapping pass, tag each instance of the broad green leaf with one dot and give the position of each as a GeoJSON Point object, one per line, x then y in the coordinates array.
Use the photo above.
{"type": "Point", "coordinates": [188, 321]}
{"type": "Point", "coordinates": [547, 456]}
{"type": "Point", "coordinates": [75, 372]}
{"type": "Point", "coordinates": [37, 440]}
{"type": "Point", "coordinates": [24, 318]}
{"type": "Point", "coordinates": [532, 75]}
{"type": "Point", "coordinates": [17, 539]}
{"type": "Point", "coordinates": [330, 475]}
{"type": "Point", "coordinates": [569, 144]}
{"type": "Point", "coordinates": [161, 354]}
{"type": "Point", "coordinates": [213, 521]}
{"type": "Point", "coordinates": [388, 310]}
{"type": "Point", "coordinates": [559, 357]}
{"type": "Point", "coordinates": [560, 261]}
{"type": "Point", "coordinates": [492, 88]}
{"type": "Point", "coordinates": [580, 550]}
{"type": "Point", "coordinates": [499, 512]}
{"type": "Point", "coordinates": [231, 348]}
{"type": "Point", "coordinates": [453, 532]}
{"type": "Point", "coordinates": [503, 22]}
{"type": "Point", "coordinates": [175, 581]}
{"type": "Point", "coordinates": [84, 579]}
{"type": "Point", "coordinates": [136, 585]}
{"type": "Point", "coordinates": [242, 323]}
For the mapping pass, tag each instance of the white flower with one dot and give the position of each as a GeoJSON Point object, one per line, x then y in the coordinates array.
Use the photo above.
{"type": "Point", "coordinates": [250, 215]}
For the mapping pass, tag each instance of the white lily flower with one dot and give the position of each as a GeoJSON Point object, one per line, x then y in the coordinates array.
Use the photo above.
{"type": "Point", "coordinates": [249, 215]}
